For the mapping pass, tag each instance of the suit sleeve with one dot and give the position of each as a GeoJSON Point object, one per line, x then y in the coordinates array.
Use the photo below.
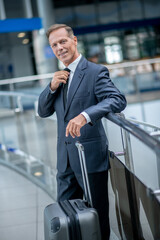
{"type": "Point", "coordinates": [46, 102]}
{"type": "Point", "coordinates": [109, 98]}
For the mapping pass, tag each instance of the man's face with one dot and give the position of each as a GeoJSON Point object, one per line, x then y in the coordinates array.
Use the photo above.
{"type": "Point", "coordinates": [63, 46]}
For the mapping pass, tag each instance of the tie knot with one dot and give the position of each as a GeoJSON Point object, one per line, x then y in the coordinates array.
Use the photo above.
{"type": "Point", "coordinates": [67, 69]}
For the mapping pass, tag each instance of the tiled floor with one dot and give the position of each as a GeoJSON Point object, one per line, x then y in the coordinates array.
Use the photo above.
{"type": "Point", "coordinates": [21, 207]}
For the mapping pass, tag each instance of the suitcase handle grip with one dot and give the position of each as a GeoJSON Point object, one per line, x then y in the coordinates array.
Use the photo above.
{"type": "Point", "coordinates": [87, 191]}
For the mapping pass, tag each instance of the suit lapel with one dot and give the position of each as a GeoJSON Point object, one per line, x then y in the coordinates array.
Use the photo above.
{"type": "Point", "coordinates": [77, 78]}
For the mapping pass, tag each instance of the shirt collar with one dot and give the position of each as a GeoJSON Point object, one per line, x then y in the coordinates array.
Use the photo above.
{"type": "Point", "coordinates": [72, 66]}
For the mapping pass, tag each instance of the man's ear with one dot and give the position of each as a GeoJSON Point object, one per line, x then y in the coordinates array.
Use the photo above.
{"type": "Point", "coordinates": [75, 40]}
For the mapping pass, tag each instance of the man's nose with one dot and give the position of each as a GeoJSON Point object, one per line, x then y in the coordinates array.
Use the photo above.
{"type": "Point", "coordinates": [59, 46]}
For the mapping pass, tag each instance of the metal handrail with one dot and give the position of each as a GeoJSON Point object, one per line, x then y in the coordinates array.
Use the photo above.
{"type": "Point", "coordinates": [139, 133]}
{"type": "Point", "coordinates": [18, 94]}
{"type": "Point", "coordinates": [155, 133]}
{"type": "Point", "coordinates": [132, 63]}
{"type": "Point", "coordinates": [143, 136]}
{"type": "Point", "coordinates": [50, 75]}
{"type": "Point", "coordinates": [130, 128]}
{"type": "Point", "coordinates": [26, 79]}
{"type": "Point", "coordinates": [143, 123]}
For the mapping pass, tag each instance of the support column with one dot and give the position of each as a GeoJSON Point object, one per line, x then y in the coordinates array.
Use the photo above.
{"type": "Point", "coordinates": [46, 12]}
{"type": "Point", "coordinates": [28, 8]}
{"type": "Point", "coordinates": [45, 60]}
{"type": "Point", "coordinates": [2, 10]}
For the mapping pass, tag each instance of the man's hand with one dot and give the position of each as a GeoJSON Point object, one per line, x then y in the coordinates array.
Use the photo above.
{"type": "Point", "coordinates": [74, 126]}
{"type": "Point", "coordinates": [59, 77]}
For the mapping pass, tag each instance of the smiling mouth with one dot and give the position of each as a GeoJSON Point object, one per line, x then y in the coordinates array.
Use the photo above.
{"type": "Point", "coordinates": [62, 54]}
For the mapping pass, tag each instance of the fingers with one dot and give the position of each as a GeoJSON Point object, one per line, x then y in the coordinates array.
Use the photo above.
{"type": "Point", "coordinates": [59, 77]}
{"type": "Point", "coordinates": [62, 76]}
{"type": "Point", "coordinates": [73, 129]}
{"type": "Point", "coordinates": [74, 126]}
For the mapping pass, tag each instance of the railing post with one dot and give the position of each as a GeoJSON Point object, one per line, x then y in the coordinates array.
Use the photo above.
{"type": "Point", "coordinates": [4, 149]}
{"type": "Point", "coordinates": [36, 108]}
{"type": "Point", "coordinates": [127, 148]}
{"type": "Point", "coordinates": [11, 88]}
{"type": "Point", "coordinates": [19, 105]}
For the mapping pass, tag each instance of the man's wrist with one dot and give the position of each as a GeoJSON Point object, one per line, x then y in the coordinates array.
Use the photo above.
{"type": "Point", "coordinates": [51, 91]}
{"type": "Point", "coordinates": [86, 117]}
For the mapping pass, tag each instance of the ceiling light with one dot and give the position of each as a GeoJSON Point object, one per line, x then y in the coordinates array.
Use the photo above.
{"type": "Point", "coordinates": [38, 174]}
{"type": "Point", "coordinates": [25, 41]}
{"type": "Point", "coordinates": [21, 35]}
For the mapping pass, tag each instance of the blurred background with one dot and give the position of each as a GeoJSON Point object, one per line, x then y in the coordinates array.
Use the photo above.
{"type": "Point", "coordinates": [124, 36]}
{"type": "Point", "coordinates": [108, 32]}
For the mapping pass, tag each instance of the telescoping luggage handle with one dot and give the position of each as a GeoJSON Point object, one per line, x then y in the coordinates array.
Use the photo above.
{"type": "Point", "coordinates": [87, 191]}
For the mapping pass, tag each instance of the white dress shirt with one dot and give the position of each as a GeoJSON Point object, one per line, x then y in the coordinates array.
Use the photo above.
{"type": "Point", "coordinates": [72, 66]}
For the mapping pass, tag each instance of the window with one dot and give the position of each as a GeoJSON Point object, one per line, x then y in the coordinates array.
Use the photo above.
{"type": "Point", "coordinates": [113, 51]}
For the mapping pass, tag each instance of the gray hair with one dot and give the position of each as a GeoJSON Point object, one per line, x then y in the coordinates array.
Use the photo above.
{"type": "Point", "coordinates": [58, 26]}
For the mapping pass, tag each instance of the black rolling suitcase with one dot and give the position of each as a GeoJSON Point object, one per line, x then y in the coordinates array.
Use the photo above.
{"type": "Point", "coordinates": [73, 219]}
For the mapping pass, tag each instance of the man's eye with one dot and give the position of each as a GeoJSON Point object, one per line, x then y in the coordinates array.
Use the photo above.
{"type": "Point", "coordinates": [63, 41]}
{"type": "Point", "coordinates": [53, 45]}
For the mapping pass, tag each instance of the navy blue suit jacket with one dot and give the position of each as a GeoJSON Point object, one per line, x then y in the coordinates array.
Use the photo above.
{"type": "Point", "coordinates": [91, 91]}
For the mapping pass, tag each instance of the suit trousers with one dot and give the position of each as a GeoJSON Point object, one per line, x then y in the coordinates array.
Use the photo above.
{"type": "Point", "coordinates": [70, 186]}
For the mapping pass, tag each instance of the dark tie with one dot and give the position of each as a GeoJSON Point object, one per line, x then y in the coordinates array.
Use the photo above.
{"type": "Point", "coordinates": [65, 89]}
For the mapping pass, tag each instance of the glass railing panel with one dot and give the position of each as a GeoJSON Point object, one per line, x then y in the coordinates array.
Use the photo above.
{"type": "Point", "coordinates": [133, 83]}
{"type": "Point", "coordinates": [8, 131]}
{"type": "Point", "coordinates": [148, 208]}
{"type": "Point", "coordinates": [130, 77]}
{"type": "Point", "coordinates": [125, 84]}
{"type": "Point", "coordinates": [137, 214]}
{"type": "Point", "coordinates": [31, 87]}
{"type": "Point", "coordinates": [28, 143]}
{"type": "Point", "coordinates": [29, 84]}
{"type": "Point", "coordinates": [145, 164]}
{"type": "Point", "coordinates": [151, 121]}
{"type": "Point", "coordinates": [148, 81]}
{"type": "Point", "coordinates": [7, 102]}
{"type": "Point", "coordinates": [114, 134]}
{"type": "Point", "coordinates": [136, 76]}
{"type": "Point", "coordinates": [140, 159]}
{"type": "Point", "coordinates": [119, 200]}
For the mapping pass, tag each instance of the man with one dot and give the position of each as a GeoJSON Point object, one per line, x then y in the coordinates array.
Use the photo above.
{"type": "Point", "coordinates": [90, 96]}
